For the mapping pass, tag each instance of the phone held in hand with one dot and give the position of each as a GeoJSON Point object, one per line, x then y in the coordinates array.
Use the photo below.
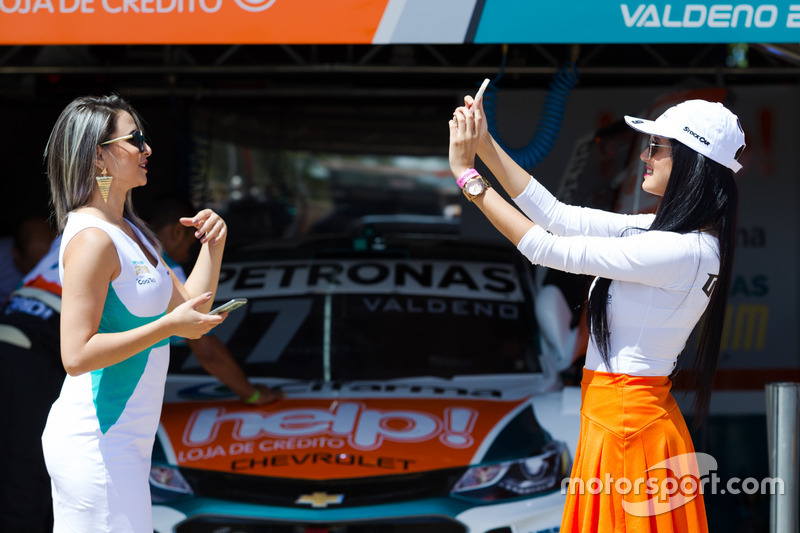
{"type": "Point", "coordinates": [229, 306]}
{"type": "Point", "coordinates": [483, 87]}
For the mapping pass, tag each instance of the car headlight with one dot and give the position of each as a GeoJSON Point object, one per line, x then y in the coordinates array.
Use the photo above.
{"type": "Point", "coordinates": [516, 479]}
{"type": "Point", "coordinates": [167, 483]}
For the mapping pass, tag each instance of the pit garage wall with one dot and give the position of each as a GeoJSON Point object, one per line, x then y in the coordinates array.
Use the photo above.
{"type": "Point", "coordinates": [760, 342]}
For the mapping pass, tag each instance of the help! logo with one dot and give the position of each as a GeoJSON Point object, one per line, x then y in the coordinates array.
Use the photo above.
{"type": "Point", "coordinates": [364, 428]}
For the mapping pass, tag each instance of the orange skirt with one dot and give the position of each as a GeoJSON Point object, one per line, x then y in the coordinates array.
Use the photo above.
{"type": "Point", "coordinates": [629, 426]}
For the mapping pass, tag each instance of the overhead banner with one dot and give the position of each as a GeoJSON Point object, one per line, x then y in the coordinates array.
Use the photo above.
{"type": "Point", "coordinates": [639, 21]}
{"type": "Point", "coordinates": [189, 21]}
{"type": "Point", "coordinates": [393, 21]}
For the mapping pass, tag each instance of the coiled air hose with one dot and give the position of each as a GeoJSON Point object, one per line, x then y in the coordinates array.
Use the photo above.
{"type": "Point", "coordinates": [547, 131]}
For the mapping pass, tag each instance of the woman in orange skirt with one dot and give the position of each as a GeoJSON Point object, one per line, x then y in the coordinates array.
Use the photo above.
{"type": "Point", "coordinates": [635, 469]}
{"type": "Point", "coordinates": [629, 424]}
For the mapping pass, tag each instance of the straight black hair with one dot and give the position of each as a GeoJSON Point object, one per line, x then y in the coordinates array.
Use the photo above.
{"type": "Point", "coordinates": [701, 195]}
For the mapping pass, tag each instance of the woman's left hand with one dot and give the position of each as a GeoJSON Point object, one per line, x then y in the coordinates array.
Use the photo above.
{"type": "Point", "coordinates": [209, 225]}
{"type": "Point", "coordinates": [464, 137]}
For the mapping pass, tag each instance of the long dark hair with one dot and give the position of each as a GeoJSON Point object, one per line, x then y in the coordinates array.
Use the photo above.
{"type": "Point", "coordinates": [701, 195]}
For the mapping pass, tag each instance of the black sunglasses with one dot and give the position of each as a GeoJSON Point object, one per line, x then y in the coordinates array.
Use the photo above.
{"type": "Point", "coordinates": [136, 138]}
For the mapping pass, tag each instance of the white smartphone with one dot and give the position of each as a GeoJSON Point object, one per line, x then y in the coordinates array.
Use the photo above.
{"type": "Point", "coordinates": [229, 306]}
{"type": "Point", "coordinates": [484, 85]}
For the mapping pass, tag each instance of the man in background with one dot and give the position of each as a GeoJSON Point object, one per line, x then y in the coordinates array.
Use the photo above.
{"type": "Point", "coordinates": [31, 379]}
{"type": "Point", "coordinates": [20, 252]}
{"type": "Point", "coordinates": [177, 241]}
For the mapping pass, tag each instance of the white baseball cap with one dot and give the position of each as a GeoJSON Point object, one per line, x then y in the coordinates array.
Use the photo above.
{"type": "Point", "coordinates": [706, 127]}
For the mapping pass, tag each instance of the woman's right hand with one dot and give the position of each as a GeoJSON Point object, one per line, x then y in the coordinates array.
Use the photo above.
{"type": "Point", "coordinates": [189, 323]}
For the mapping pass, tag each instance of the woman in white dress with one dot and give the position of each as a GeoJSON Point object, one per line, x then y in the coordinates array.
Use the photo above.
{"type": "Point", "coordinates": [120, 305]}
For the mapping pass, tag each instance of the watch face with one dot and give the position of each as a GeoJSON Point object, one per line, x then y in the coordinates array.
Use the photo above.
{"type": "Point", "coordinates": [474, 187]}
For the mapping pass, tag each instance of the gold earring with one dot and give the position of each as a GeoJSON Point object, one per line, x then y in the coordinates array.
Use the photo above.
{"type": "Point", "coordinates": [104, 181]}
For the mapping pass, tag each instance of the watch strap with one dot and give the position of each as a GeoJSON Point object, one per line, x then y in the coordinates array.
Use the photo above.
{"type": "Point", "coordinates": [466, 176]}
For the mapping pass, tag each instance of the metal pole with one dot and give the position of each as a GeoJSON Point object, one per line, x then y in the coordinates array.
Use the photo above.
{"type": "Point", "coordinates": [783, 424]}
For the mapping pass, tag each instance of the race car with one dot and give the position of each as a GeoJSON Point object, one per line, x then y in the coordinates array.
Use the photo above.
{"type": "Point", "coordinates": [416, 397]}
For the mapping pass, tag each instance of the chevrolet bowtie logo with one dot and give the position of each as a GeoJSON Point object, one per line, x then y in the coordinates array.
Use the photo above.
{"type": "Point", "coordinates": [320, 500]}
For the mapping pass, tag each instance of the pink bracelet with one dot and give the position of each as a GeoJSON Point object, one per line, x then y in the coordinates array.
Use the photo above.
{"type": "Point", "coordinates": [466, 176]}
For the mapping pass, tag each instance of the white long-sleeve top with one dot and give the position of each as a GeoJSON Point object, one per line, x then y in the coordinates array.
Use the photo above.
{"type": "Point", "coordinates": [662, 281]}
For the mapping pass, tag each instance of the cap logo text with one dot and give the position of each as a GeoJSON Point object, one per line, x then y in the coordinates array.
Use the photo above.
{"type": "Point", "coordinates": [696, 136]}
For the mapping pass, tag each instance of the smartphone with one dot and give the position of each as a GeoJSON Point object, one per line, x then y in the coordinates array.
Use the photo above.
{"type": "Point", "coordinates": [479, 94]}
{"type": "Point", "coordinates": [229, 306]}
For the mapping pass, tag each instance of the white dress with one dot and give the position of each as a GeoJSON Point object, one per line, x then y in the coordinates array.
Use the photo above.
{"type": "Point", "coordinates": [99, 435]}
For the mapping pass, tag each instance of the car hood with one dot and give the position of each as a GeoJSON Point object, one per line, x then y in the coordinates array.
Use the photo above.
{"type": "Point", "coordinates": [341, 430]}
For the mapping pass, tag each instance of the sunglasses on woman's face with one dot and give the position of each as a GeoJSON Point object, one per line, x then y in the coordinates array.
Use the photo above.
{"type": "Point", "coordinates": [651, 144]}
{"type": "Point", "coordinates": [136, 138]}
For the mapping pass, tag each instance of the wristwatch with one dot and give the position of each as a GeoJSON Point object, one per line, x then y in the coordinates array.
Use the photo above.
{"type": "Point", "coordinates": [475, 187]}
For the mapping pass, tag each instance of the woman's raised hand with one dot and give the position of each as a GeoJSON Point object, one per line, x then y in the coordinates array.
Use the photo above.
{"type": "Point", "coordinates": [476, 106]}
{"type": "Point", "coordinates": [209, 225]}
{"type": "Point", "coordinates": [465, 134]}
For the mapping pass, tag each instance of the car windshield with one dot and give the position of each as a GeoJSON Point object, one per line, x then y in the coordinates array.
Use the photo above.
{"type": "Point", "coordinates": [382, 316]}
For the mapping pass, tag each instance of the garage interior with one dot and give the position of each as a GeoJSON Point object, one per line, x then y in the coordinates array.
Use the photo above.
{"type": "Point", "coordinates": [391, 100]}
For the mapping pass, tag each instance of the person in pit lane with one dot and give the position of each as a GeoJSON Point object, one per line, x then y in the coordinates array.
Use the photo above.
{"type": "Point", "coordinates": [120, 304]}
{"type": "Point", "coordinates": [656, 275]}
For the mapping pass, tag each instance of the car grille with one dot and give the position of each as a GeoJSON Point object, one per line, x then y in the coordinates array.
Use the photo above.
{"type": "Point", "coordinates": [425, 524]}
{"type": "Point", "coordinates": [357, 492]}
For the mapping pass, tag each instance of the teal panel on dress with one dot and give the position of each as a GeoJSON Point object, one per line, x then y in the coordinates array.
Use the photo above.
{"type": "Point", "coordinates": [113, 386]}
